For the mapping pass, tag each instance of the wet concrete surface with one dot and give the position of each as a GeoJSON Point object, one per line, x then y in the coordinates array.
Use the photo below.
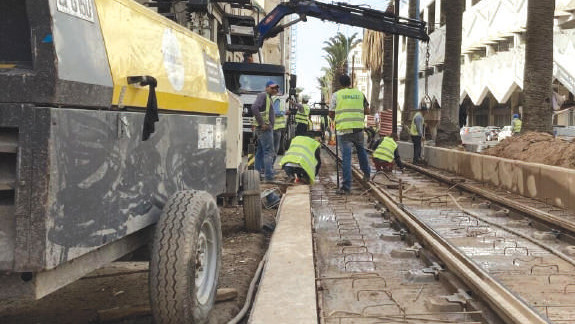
{"type": "Point", "coordinates": [523, 264]}
{"type": "Point", "coordinates": [366, 272]}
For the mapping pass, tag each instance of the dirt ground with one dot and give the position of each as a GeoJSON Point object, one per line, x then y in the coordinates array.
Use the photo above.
{"type": "Point", "coordinates": [124, 285]}
{"type": "Point", "coordinates": [538, 148]}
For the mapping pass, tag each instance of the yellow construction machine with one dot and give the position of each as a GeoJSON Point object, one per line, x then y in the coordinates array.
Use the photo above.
{"type": "Point", "coordinates": [116, 131]}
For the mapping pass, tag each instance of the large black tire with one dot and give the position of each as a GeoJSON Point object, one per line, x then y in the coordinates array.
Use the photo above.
{"type": "Point", "coordinates": [252, 200]}
{"type": "Point", "coordinates": [186, 258]}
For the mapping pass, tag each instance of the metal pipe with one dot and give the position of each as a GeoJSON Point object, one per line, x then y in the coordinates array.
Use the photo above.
{"type": "Point", "coordinates": [416, 59]}
{"type": "Point", "coordinates": [395, 72]}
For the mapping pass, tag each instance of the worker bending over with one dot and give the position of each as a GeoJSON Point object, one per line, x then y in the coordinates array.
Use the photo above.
{"type": "Point", "coordinates": [348, 107]}
{"type": "Point", "coordinates": [302, 160]}
{"type": "Point", "coordinates": [386, 153]}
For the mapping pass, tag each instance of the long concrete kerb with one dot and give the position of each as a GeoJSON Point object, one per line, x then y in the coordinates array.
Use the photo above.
{"type": "Point", "coordinates": [549, 184]}
{"type": "Point", "coordinates": [287, 292]}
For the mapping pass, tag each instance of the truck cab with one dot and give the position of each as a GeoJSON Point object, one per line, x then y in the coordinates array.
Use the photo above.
{"type": "Point", "coordinates": [247, 80]}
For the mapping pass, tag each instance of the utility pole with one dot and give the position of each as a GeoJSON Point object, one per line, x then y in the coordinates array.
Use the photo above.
{"type": "Point", "coordinates": [353, 70]}
{"type": "Point", "coordinates": [395, 72]}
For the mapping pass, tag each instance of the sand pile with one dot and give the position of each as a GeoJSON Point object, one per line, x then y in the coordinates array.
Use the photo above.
{"type": "Point", "coordinates": [538, 148]}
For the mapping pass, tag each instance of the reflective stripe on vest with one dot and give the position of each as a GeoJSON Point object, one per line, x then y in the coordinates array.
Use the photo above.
{"type": "Point", "coordinates": [303, 118]}
{"type": "Point", "coordinates": [302, 152]}
{"type": "Point", "coordinates": [280, 121]}
{"type": "Point", "coordinates": [413, 129]}
{"type": "Point", "coordinates": [517, 125]}
{"type": "Point", "coordinates": [349, 109]}
{"type": "Point", "coordinates": [265, 114]}
{"type": "Point", "coordinates": [385, 150]}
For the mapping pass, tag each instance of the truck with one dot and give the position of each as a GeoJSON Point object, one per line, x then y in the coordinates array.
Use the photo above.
{"type": "Point", "coordinates": [245, 34]}
{"type": "Point", "coordinates": [116, 132]}
{"type": "Point", "coordinates": [247, 80]}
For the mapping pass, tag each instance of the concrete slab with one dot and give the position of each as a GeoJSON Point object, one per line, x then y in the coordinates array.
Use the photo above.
{"type": "Point", "coordinates": [508, 174]}
{"type": "Point", "coordinates": [490, 170]}
{"type": "Point", "coordinates": [571, 178]}
{"type": "Point", "coordinates": [405, 150]}
{"type": "Point", "coordinates": [554, 186]}
{"type": "Point", "coordinates": [469, 165]}
{"type": "Point", "coordinates": [529, 183]}
{"type": "Point", "coordinates": [434, 158]}
{"type": "Point", "coordinates": [452, 157]}
{"type": "Point", "coordinates": [287, 290]}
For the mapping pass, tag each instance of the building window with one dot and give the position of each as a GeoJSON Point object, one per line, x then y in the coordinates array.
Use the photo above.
{"type": "Point", "coordinates": [431, 17]}
{"type": "Point", "coordinates": [504, 45]}
{"type": "Point", "coordinates": [478, 54]}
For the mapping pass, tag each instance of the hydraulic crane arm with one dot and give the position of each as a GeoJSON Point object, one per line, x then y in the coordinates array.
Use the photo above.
{"type": "Point", "coordinates": [342, 13]}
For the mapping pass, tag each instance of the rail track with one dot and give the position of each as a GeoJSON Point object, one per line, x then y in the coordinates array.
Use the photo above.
{"type": "Point", "coordinates": [513, 258]}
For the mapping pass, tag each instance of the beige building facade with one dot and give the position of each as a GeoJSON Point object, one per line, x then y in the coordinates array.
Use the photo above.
{"type": "Point", "coordinates": [493, 57]}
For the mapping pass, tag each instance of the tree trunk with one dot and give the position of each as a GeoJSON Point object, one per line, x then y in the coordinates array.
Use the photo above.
{"type": "Point", "coordinates": [538, 109]}
{"type": "Point", "coordinates": [409, 101]}
{"type": "Point", "coordinates": [388, 71]}
{"type": "Point", "coordinates": [374, 105]}
{"type": "Point", "coordinates": [448, 131]}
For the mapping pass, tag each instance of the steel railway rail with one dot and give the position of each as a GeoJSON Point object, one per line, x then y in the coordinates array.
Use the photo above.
{"type": "Point", "coordinates": [509, 256]}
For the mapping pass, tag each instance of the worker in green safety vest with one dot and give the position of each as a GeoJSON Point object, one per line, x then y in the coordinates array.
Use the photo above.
{"type": "Point", "coordinates": [385, 153]}
{"type": "Point", "coordinates": [416, 132]}
{"type": "Point", "coordinates": [302, 160]}
{"type": "Point", "coordinates": [302, 117]}
{"type": "Point", "coordinates": [264, 119]}
{"type": "Point", "coordinates": [516, 123]}
{"type": "Point", "coordinates": [348, 107]}
{"type": "Point", "coordinates": [278, 104]}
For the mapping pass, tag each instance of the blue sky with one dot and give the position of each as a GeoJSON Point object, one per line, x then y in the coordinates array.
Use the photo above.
{"type": "Point", "coordinates": [310, 38]}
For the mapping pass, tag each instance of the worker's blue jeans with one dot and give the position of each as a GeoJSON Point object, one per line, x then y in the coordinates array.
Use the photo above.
{"type": "Point", "coordinates": [346, 143]}
{"type": "Point", "coordinates": [265, 153]}
{"type": "Point", "coordinates": [277, 140]}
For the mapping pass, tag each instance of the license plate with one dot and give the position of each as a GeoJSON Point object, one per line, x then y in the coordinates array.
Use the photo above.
{"type": "Point", "coordinates": [83, 9]}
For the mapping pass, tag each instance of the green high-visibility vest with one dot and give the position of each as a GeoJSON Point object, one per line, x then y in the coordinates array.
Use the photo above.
{"type": "Point", "coordinates": [265, 114]}
{"type": "Point", "coordinates": [386, 149]}
{"type": "Point", "coordinates": [413, 129]}
{"type": "Point", "coordinates": [302, 152]}
{"type": "Point", "coordinates": [517, 123]}
{"type": "Point", "coordinates": [349, 109]}
{"type": "Point", "coordinates": [303, 117]}
{"type": "Point", "coordinates": [280, 121]}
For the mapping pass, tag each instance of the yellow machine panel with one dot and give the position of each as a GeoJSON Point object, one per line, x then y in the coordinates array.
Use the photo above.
{"type": "Point", "coordinates": [141, 42]}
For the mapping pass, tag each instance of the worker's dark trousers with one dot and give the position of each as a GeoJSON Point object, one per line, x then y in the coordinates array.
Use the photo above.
{"type": "Point", "coordinates": [301, 129]}
{"type": "Point", "coordinates": [416, 148]}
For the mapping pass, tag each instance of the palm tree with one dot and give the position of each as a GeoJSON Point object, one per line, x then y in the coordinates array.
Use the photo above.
{"type": "Point", "coordinates": [337, 50]}
{"type": "Point", "coordinates": [409, 102]}
{"type": "Point", "coordinates": [538, 74]}
{"type": "Point", "coordinates": [372, 58]}
{"type": "Point", "coordinates": [448, 130]}
{"type": "Point", "coordinates": [325, 84]}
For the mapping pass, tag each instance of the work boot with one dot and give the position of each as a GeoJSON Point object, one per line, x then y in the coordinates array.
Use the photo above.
{"type": "Point", "coordinates": [366, 177]}
{"type": "Point", "coordinates": [343, 192]}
